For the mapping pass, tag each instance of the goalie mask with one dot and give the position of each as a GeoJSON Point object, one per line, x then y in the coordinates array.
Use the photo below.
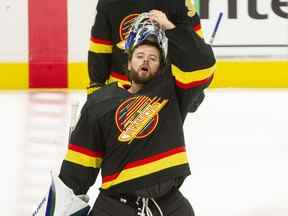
{"type": "Point", "coordinates": [143, 29]}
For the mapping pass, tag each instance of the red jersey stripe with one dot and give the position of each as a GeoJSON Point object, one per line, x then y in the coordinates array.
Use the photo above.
{"type": "Point", "coordinates": [145, 161]}
{"type": "Point", "coordinates": [101, 41]}
{"type": "Point", "coordinates": [193, 84]}
{"type": "Point", "coordinates": [119, 76]}
{"type": "Point", "coordinates": [85, 151]}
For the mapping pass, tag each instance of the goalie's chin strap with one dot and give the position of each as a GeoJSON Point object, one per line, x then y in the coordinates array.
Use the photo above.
{"type": "Point", "coordinates": [145, 210]}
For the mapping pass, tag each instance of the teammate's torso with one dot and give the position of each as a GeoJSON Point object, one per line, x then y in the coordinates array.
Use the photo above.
{"type": "Point", "coordinates": [120, 15]}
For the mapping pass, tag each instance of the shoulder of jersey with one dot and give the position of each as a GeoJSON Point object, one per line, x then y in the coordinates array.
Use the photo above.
{"type": "Point", "coordinates": [107, 2]}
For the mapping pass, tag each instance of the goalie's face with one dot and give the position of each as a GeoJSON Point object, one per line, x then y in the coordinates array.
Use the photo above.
{"type": "Point", "coordinates": [144, 64]}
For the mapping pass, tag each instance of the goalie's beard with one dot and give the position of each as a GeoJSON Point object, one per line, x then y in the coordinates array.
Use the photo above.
{"type": "Point", "coordinates": [134, 76]}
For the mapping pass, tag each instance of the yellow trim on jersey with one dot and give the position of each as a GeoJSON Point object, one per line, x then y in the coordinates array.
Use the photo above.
{"type": "Point", "coordinates": [200, 33]}
{"type": "Point", "coordinates": [114, 79]}
{"type": "Point", "coordinates": [100, 48]}
{"type": "Point", "coordinates": [91, 90]}
{"type": "Point", "coordinates": [146, 169]}
{"type": "Point", "coordinates": [82, 159]}
{"type": "Point", "coordinates": [188, 77]}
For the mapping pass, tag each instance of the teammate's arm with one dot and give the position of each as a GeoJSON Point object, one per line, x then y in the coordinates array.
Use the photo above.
{"type": "Point", "coordinates": [100, 48]}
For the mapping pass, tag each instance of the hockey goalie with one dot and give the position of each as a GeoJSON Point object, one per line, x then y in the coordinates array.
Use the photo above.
{"type": "Point", "coordinates": [61, 201]}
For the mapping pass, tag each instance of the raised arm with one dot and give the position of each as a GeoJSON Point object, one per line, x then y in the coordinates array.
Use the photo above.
{"type": "Point", "coordinates": [192, 62]}
{"type": "Point", "coordinates": [193, 66]}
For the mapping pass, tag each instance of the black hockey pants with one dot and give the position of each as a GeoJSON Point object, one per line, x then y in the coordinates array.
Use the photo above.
{"type": "Point", "coordinates": [172, 204]}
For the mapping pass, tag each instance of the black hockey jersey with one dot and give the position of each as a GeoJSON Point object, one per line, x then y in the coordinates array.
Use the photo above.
{"type": "Point", "coordinates": [112, 23]}
{"type": "Point", "coordinates": [137, 139]}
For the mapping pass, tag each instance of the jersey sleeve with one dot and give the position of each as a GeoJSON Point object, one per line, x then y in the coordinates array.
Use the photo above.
{"type": "Point", "coordinates": [192, 65]}
{"type": "Point", "coordinates": [186, 15]}
{"type": "Point", "coordinates": [100, 48]}
{"type": "Point", "coordinates": [84, 155]}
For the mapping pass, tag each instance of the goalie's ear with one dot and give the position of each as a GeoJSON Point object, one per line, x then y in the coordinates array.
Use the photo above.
{"type": "Point", "coordinates": [60, 200]}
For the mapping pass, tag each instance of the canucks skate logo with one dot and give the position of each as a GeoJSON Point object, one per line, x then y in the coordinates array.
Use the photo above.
{"type": "Point", "coordinates": [124, 29]}
{"type": "Point", "coordinates": [138, 117]}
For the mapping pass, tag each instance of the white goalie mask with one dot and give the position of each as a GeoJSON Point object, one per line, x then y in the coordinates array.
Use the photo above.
{"type": "Point", "coordinates": [142, 29]}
